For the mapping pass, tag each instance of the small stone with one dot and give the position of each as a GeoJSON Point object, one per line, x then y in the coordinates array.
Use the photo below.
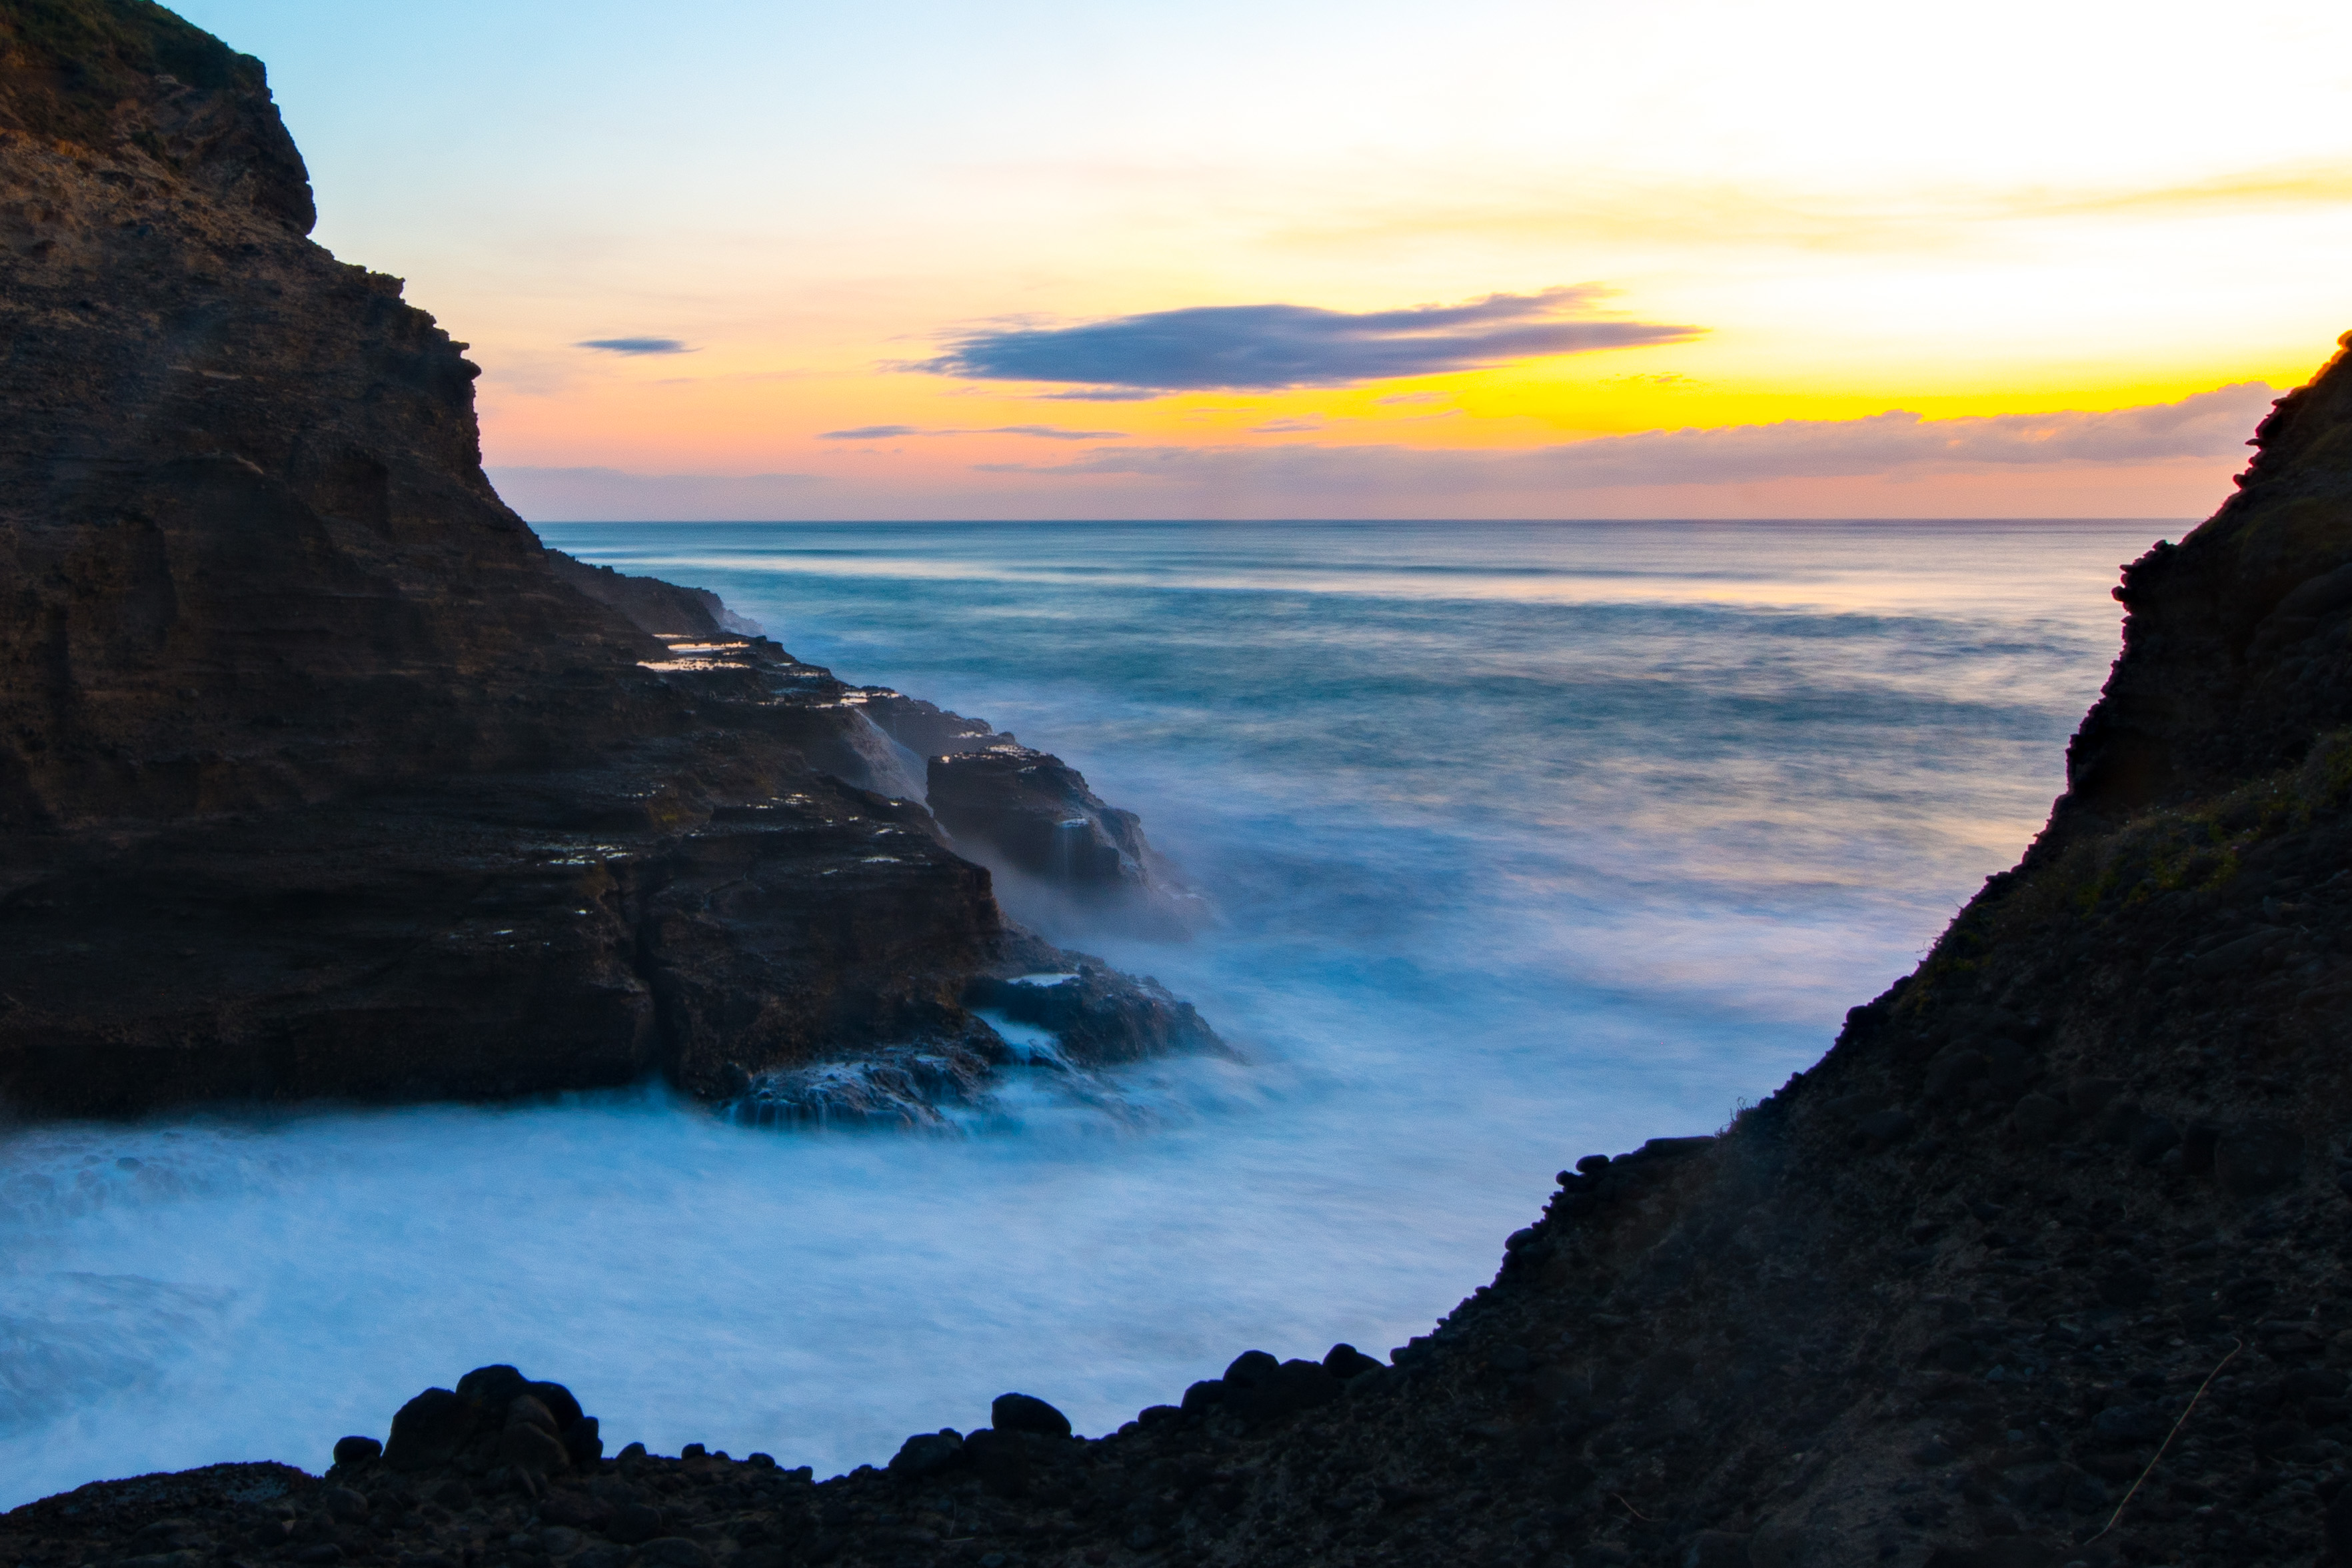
{"type": "Point", "coordinates": [319, 1557]}
{"type": "Point", "coordinates": [453, 1495]}
{"type": "Point", "coordinates": [674, 1552]}
{"type": "Point", "coordinates": [558, 1540]}
{"type": "Point", "coordinates": [1027, 1413]}
{"type": "Point", "coordinates": [357, 1452]}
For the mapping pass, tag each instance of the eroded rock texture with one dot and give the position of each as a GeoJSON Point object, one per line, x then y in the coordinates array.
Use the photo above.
{"type": "Point", "coordinates": [318, 775]}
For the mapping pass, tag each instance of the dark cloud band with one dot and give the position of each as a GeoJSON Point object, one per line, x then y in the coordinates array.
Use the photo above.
{"type": "Point", "coordinates": [635, 345]}
{"type": "Point", "coordinates": [1262, 347]}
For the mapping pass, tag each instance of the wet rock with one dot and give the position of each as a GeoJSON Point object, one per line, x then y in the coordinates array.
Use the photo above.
{"type": "Point", "coordinates": [2257, 1157]}
{"type": "Point", "coordinates": [1027, 1413]}
{"type": "Point", "coordinates": [356, 1451]}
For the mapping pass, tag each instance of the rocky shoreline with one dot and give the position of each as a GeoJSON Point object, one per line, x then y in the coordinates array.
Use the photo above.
{"type": "Point", "coordinates": [2043, 1264]}
{"type": "Point", "coordinates": [377, 799]}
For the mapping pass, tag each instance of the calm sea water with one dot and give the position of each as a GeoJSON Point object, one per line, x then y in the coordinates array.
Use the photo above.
{"type": "Point", "coordinates": [1526, 839]}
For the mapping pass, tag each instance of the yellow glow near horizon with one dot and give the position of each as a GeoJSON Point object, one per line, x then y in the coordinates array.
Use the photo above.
{"type": "Point", "coordinates": [2030, 207]}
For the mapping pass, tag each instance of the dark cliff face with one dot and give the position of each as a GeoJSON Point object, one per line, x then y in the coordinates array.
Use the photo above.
{"type": "Point", "coordinates": [251, 556]}
{"type": "Point", "coordinates": [2234, 648]}
{"type": "Point", "coordinates": [318, 775]}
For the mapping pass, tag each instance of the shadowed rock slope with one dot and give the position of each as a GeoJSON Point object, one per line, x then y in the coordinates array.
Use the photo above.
{"type": "Point", "coordinates": [318, 775]}
{"type": "Point", "coordinates": [2043, 1264]}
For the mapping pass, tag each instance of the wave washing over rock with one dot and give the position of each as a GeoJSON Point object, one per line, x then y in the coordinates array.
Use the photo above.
{"type": "Point", "coordinates": [371, 797]}
{"type": "Point", "coordinates": [2040, 1265]}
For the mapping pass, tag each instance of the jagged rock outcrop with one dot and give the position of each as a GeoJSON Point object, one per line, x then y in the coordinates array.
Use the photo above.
{"type": "Point", "coordinates": [1029, 816]}
{"type": "Point", "coordinates": [318, 775]}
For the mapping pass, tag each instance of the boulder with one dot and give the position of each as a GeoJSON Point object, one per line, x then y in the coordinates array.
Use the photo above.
{"type": "Point", "coordinates": [1027, 1413]}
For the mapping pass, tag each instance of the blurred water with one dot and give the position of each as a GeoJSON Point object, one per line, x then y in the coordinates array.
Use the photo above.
{"type": "Point", "coordinates": [1528, 840]}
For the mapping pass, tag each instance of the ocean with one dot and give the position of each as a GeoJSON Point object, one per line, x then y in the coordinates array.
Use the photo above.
{"type": "Point", "coordinates": [1524, 840]}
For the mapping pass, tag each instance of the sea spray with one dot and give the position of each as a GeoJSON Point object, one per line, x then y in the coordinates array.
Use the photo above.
{"type": "Point", "coordinates": [1526, 842]}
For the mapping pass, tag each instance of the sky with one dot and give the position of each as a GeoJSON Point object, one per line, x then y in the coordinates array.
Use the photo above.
{"type": "Point", "coordinates": [758, 259]}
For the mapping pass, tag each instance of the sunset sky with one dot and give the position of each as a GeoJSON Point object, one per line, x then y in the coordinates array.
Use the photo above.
{"type": "Point", "coordinates": [739, 259]}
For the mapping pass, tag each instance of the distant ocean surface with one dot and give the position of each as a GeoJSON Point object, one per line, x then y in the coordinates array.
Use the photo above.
{"type": "Point", "coordinates": [1527, 841]}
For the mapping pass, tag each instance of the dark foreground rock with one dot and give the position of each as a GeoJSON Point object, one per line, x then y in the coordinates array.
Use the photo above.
{"type": "Point", "coordinates": [319, 777]}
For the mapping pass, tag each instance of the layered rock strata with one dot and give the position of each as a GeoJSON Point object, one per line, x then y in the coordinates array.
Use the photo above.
{"type": "Point", "coordinates": [319, 777]}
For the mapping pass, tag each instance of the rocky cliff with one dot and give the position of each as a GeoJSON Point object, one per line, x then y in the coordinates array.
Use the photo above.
{"type": "Point", "coordinates": [318, 775]}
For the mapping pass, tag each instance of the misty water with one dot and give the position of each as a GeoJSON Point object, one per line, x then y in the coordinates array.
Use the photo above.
{"type": "Point", "coordinates": [1525, 841]}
